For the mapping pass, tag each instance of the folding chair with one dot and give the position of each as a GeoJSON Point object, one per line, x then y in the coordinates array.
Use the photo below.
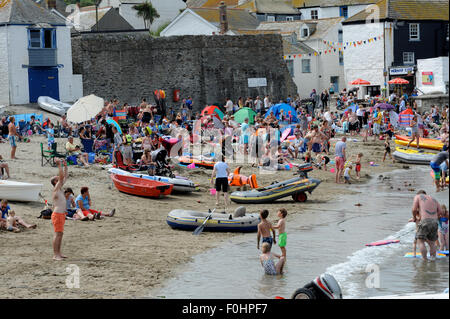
{"type": "Point", "coordinates": [50, 155]}
{"type": "Point", "coordinates": [88, 145]}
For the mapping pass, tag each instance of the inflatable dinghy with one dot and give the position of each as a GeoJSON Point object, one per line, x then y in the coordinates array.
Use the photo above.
{"type": "Point", "coordinates": [236, 179]}
{"type": "Point", "coordinates": [190, 220]}
{"type": "Point", "coordinates": [429, 143]}
{"type": "Point", "coordinates": [52, 105]}
{"type": "Point", "coordinates": [179, 184]}
{"type": "Point", "coordinates": [295, 187]}
{"type": "Point", "coordinates": [412, 156]}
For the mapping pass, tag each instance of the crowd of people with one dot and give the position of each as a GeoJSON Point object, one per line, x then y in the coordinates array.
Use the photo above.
{"type": "Point", "coordinates": [138, 131]}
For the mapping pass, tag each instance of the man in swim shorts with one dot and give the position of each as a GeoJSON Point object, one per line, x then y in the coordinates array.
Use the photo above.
{"type": "Point", "coordinates": [264, 229]}
{"type": "Point", "coordinates": [426, 210]}
{"type": "Point", "coordinates": [59, 208]}
{"type": "Point", "coordinates": [12, 136]}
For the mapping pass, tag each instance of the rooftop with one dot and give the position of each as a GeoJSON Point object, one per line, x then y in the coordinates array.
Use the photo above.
{"type": "Point", "coordinates": [27, 12]}
{"type": "Point", "coordinates": [237, 18]}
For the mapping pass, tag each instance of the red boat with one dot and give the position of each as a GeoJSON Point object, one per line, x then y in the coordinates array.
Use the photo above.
{"type": "Point", "coordinates": [140, 186]}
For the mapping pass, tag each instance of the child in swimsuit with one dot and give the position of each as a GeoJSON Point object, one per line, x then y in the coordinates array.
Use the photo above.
{"type": "Point", "coordinates": [358, 165]}
{"type": "Point", "coordinates": [387, 148]}
{"type": "Point", "coordinates": [281, 226]}
{"type": "Point", "coordinates": [443, 228]}
{"type": "Point", "coordinates": [267, 261]}
{"type": "Point", "coordinates": [264, 229]}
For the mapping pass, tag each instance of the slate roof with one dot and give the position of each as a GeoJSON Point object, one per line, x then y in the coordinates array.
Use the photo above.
{"type": "Point", "coordinates": [269, 6]}
{"type": "Point", "coordinates": [329, 3]}
{"type": "Point", "coordinates": [410, 10]}
{"type": "Point", "coordinates": [237, 18]}
{"type": "Point", "coordinates": [27, 12]}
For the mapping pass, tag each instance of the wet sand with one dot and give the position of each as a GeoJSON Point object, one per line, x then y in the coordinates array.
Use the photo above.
{"type": "Point", "coordinates": [134, 252]}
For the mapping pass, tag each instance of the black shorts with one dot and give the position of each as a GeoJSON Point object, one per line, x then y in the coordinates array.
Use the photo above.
{"type": "Point", "coordinates": [222, 184]}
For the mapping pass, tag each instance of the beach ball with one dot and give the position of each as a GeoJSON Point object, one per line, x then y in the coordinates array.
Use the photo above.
{"type": "Point", "coordinates": [331, 170]}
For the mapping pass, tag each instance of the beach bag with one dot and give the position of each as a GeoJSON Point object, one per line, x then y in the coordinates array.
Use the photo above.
{"type": "Point", "coordinates": [46, 214]}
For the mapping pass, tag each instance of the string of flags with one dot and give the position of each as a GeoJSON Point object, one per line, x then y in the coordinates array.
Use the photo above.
{"type": "Point", "coordinates": [337, 47]}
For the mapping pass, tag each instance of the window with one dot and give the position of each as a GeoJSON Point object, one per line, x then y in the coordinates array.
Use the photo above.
{"type": "Point", "coordinates": [343, 11]}
{"type": "Point", "coordinates": [271, 18]}
{"type": "Point", "coordinates": [414, 32]}
{"type": "Point", "coordinates": [289, 18]}
{"type": "Point", "coordinates": [305, 32]}
{"type": "Point", "coordinates": [341, 58]}
{"type": "Point", "coordinates": [306, 66]}
{"type": "Point", "coordinates": [290, 66]}
{"type": "Point", "coordinates": [408, 57]}
{"type": "Point", "coordinates": [35, 38]}
{"type": "Point", "coordinates": [340, 36]}
{"type": "Point", "coordinates": [314, 14]}
{"type": "Point", "coordinates": [373, 90]}
{"type": "Point", "coordinates": [42, 39]}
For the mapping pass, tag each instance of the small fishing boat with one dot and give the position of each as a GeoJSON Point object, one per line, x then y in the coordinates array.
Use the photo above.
{"type": "Point", "coordinates": [429, 143]}
{"type": "Point", "coordinates": [140, 186]}
{"type": "Point", "coordinates": [53, 106]}
{"type": "Point", "coordinates": [412, 156]}
{"type": "Point", "coordinates": [19, 191]}
{"type": "Point", "coordinates": [180, 184]}
{"type": "Point", "coordinates": [190, 220]}
{"type": "Point", "coordinates": [295, 187]}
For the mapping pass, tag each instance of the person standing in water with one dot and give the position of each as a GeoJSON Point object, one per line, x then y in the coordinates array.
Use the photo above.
{"type": "Point", "coordinates": [281, 226]}
{"type": "Point", "coordinates": [59, 208]}
{"type": "Point", "coordinates": [264, 229]}
{"type": "Point", "coordinates": [426, 210]}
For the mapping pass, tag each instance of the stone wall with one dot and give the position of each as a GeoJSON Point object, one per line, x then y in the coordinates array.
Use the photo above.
{"type": "Point", "coordinates": [131, 66]}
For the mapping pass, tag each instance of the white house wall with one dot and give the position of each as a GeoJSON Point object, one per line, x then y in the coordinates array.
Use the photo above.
{"type": "Point", "coordinates": [189, 24]}
{"type": "Point", "coordinates": [68, 90]}
{"type": "Point", "coordinates": [18, 57]}
{"type": "Point", "coordinates": [331, 12]}
{"type": "Point", "coordinates": [4, 67]}
{"type": "Point", "coordinates": [364, 61]}
{"type": "Point", "coordinates": [305, 81]}
{"type": "Point", "coordinates": [439, 67]}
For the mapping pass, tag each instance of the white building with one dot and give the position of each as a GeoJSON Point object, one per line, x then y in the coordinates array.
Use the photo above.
{"type": "Point", "coordinates": [432, 75]}
{"type": "Point", "coordinates": [322, 66]}
{"type": "Point", "coordinates": [323, 9]}
{"type": "Point", "coordinates": [35, 55]}
{"type": "Point", "coordinates": [167, 10]}
{"type": "Point", "coordinates": [206, 21]}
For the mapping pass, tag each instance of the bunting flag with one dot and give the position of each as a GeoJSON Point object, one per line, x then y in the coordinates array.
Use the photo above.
{"type": "Point", "coordinates": [337, 46]}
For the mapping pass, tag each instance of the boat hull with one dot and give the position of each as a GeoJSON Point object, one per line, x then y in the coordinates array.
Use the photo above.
{"type": "Point", "coordinates": [53, 106]}
{"type": "Point", "coordinates": [20, 192]}
{"type": "Point", "coordinates": [140, 187]}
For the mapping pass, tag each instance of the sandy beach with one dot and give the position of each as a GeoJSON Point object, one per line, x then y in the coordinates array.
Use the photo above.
{"type": "Point", "coordinates": [135, 251]}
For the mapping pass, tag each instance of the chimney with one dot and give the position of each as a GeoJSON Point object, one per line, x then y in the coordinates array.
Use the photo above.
{"type": "Point", "coordinates": [51, 4]}
{"type": "Point", "coordinates": [223, 18]}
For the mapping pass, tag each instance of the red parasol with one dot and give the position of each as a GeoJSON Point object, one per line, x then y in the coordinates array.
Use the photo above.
{"type": "Point", "coordinates": [398, 81]}
{"type": "Point", "coordinates": [360, 82]}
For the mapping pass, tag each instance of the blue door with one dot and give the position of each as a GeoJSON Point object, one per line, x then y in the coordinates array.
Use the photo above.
{"type": "Point", "coordinates": [43, 82]}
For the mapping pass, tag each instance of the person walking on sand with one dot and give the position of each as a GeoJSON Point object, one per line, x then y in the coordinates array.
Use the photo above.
{"type": "Point", "coordinates": [221, 171]}
{"type": "Point", "coordinates": [426, 209]}
{"type": "Point", "coordinates": [12, 137]}
{"type": "Point", "coordinates": [59, 207]}
{"type": "Point", "coordinates": [281, 226]}
{"type": "Point", "coordinates": [340, 157]}
{"type": "Point", "coordinates": [264, 229]}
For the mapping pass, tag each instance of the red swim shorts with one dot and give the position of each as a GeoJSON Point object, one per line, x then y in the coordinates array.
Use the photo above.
{"type": "Point", "coordinates": [58, 220]}
{"type": "Point", "coordinates": [358, 167]}
{"type": "Point", "coordinates": [339, 162]}
{"type": "Point", "coordinates": [90, 211]}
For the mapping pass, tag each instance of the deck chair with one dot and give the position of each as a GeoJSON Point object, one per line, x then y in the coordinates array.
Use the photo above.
{"type": "Point", "coordinates": [120, 164]}
{"type": "Point", "coordinates": [50, 155]}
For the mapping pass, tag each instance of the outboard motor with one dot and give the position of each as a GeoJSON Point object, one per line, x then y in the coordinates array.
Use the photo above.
{"type": "Point", "coordinates": [323, 287]}
{"type": "Point", "coordinates": [303, 169]}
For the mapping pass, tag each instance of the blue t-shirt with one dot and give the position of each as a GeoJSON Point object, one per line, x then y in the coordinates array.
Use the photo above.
{"type": "Point", "coordinates": [84, 200]}
{"type": "Point", "coordinates": [5, 211]}
{"type": "Point", "coordinates": [189, 104]}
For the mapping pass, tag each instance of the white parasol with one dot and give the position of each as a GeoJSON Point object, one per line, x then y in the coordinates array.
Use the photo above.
{"type": "Point", "coordinates": [85, 109]}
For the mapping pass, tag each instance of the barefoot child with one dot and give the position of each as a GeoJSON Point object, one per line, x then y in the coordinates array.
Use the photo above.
{"type": "Point", "coordinates": [264, 229]}
{"type": "Point", "coordinates": [358, 165]}
{"type": "Point", "coordinates": [347, 175]}
{"type": "Point", "coordinates": [11, 223]}
{"type": "Point", "coordinates": [387, 148]}
{"type": "Point", "coordinates": [443, 229]}
{"type": "Point", "coordinates": [281, 226]}
{"type": "Point", "coordinates": [266, 259]}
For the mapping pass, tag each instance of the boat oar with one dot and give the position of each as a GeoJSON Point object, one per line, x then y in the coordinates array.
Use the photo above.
{"type": "Point", "coordinates": [200, 228]}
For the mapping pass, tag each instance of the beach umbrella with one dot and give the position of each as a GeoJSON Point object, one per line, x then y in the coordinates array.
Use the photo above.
{"type": "Point", "coordinates": [398, 81]}
{"type": "Point", "coordinates": [112, 122]}
{"type": "Point", "coordinates": [405, 117]}
{"type": "Point", "coordinates": [385, 106]}
{"type": "Point", "coordinates": [360, 82]}
{"type": "Point", "coordinates": [85, 109]}
{"type": "Point", "coordinates": [212, 110]}
{"type": "Point", "coordinates": [244, 113]}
